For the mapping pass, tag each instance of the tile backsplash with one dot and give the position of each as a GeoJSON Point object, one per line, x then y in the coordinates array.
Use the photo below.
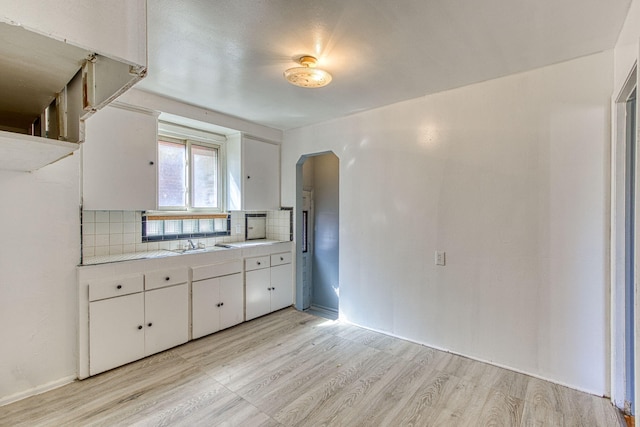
{"type": "Point", "coordinates": [119, 232]}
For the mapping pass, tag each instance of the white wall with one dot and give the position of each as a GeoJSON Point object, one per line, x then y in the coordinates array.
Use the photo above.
{"type": "Point", "coordinates": [626, 49]}
{"type": "Point", "coordinates": [39, 251]}
{"type": "Point", "coordinates": [509, 177]}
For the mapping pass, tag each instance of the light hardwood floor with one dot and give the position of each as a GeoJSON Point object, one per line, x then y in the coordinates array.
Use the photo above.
{"type": "Point", "coordinates": [294, 369]}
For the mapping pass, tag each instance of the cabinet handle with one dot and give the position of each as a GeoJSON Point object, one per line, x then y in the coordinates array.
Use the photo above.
{"type": "Point", "coordinates": [221, 304]}
{"type": "Point", "coordinates": [167, 278]}
{"type": "Point", "coordinates": [269, 289]}
{"type": "Point", "coordinates": [218, 305]}
{"type": "Point", "coordinates": [150, 324]}
{"type": "Point", "coordinates": [248, 177]}
{"type": "Point", "coordinates": [151, 163]}
{"type": "Point", "coordinates": [258, 262]}
{"type": "Point", "coordinates": [119, 287]}
{"type": "Point", "coordinates": [273, 289]}
{"type": "Point", "coordinates": [139, 327]}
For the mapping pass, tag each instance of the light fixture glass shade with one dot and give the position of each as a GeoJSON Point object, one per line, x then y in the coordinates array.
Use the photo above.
{"type": "Point", "coordinates": [307, 76]}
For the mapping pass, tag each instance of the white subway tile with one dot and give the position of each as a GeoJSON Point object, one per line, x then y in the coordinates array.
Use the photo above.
{"type": "Point", "coordinates": [88, 216]}
{"type": "Point", "coordinates": [88, 241]}
{"type": "Point", "coordinates": [115, 228]}
{"type": "Point", "coordinates": [128, 216]}
{"type": "Point", "coordinates": [128, 227]}
{"type": "Point", "coordinates": [141, 247]}
{"type": "Point", "coordinates": [88, 228]}
{"type": "Point", "coordinates": [129, 239]}
{"type": "Point", "coordinates": [115, 239]}
{"type": "Point", "coordinates": [115, 250]}
{"type": "Point", "coordinates": [101, 250]}
{"type": "Point", "coordinates": [128, 249]}
{"type": "Point", "coordinates": [102, 228]}
{"type": "Point", "coordinates": [89, 251]}
{"type": "Point", "coordinates": [102, 240]}
{"type": "Point", "coordinates": [153, 246]}
{"type": "Point", "coordinates": [102, 216]}
{"type": "Point", "coordinates": [115, 216]}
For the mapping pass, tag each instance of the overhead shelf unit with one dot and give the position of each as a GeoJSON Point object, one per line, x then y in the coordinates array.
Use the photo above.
{"type": "Point", "coordinates": [49, 88]}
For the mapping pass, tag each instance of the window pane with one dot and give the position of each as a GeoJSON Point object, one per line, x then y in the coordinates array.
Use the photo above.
{"type": "Point", "coordinates": [206, 225]}
{"type": "Point", "coordinates": [172, 227]}
{"type": "Point", "coordinates": [189, 226]}
{"type": "Point", "coordinates": [154, 228]}
{"type": "Point", "coordinates": [220, 224]}
{"type": "Point", "coordinates": [171, 174]}
{"type": "Point", "coordinates": [205, 177]}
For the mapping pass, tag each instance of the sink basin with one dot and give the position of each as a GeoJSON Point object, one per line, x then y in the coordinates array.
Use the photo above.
{"type": "Point", "coordinates": [187, 251]}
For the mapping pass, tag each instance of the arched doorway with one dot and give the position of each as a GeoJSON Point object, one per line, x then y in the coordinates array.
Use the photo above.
{"type": "Point", "coordinates": [317, 234]}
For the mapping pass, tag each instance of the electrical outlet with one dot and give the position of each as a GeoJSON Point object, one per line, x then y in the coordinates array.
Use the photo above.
{"type": "Point", "coordinates": [440, 258]}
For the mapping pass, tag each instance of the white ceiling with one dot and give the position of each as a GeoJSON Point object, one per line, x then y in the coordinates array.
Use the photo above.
{"type": "Point", "coordinates": [229, 55]}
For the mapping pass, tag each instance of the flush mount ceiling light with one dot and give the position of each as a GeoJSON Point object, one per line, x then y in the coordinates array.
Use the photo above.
{"type": "Point", "coordinates": [307, 75]}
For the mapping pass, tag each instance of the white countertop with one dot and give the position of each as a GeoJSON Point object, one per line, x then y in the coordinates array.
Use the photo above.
{"type": "Point", "coordinates": [104, 259]}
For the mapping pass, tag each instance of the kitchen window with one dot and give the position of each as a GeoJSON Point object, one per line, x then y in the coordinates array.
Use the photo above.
{"type": "Point", "coordinates": [190, 174]}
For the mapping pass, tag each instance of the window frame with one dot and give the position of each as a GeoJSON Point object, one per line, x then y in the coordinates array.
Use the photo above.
{"type": "Point", "coordinates": [188, 140]}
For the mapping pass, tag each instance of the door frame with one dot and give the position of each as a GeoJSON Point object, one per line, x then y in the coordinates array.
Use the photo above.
{"type": "Point", "coordinates": [298, 222]}
{"type": "Point", "coordinates": [618, 264]}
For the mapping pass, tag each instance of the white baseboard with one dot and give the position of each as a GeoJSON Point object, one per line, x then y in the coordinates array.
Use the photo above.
{"type": "Point", "coordinates": [36, 390]}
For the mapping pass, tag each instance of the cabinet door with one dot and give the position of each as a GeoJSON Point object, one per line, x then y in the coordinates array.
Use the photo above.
{"type": "Point", "coordinates": [119, 160]}
{"type": "Point", "coordinates": [205, 312]}
{"type": "Point", "coordinates": [116, 333]}
{"type": "Point", "coordinates": [281, 287]}
{"type": "Point", "coordinates": [261, 181]}
{"type": "Point", "coordinates": [232, 298]}
{"type": "Point", "coordinates": [166, 318]}
{"type": "Point", "coordinates": [258, 284]}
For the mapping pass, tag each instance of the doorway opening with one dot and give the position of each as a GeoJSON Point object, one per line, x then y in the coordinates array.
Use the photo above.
{"type": "Point", "coordinates": [317, 231]}
{"type": "Point", "coordinates": [624, 249]}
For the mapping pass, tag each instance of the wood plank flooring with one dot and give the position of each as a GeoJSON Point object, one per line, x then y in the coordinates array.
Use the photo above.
{"type": "Point", "coordinates": [294, 369]}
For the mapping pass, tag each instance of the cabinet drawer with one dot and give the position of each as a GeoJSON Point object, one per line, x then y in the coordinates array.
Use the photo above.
{"type": "Point", "coordinates": [256, 263]}
{"type": "Point", "coordinates": [216, 270]}
{"type": "Point", "coordinates": [102, 289]}
{"type": "Point", "coordinates": [279, 259]}
{"type": "Point", "coordinates": [161, 278]}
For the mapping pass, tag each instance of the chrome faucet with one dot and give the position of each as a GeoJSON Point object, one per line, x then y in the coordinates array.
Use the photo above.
{"type": "Point", "coordinates": [191, 245]}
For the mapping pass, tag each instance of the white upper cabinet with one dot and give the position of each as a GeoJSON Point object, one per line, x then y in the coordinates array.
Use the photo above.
{"type": "Point", "coordinates": [253, 174]}
{"type": "Point", "coordinates": [119, 159]}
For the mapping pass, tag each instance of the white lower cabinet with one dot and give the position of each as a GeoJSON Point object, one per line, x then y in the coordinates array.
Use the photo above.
{"type": "Point", "coordinates": [166, 318]}
{"type": "Point", "coordinates": [281, 287]}
{"type": "Point", "coordinates": [217, 303]}
{"type": "Point", "coordinates": [258, 285]}
{"type": "Point", "coordinates": [116, 332]}
{"type": "Point", "coordinates": [124, 328]}
{"type": "Point", "coordinates": [269, 284]}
